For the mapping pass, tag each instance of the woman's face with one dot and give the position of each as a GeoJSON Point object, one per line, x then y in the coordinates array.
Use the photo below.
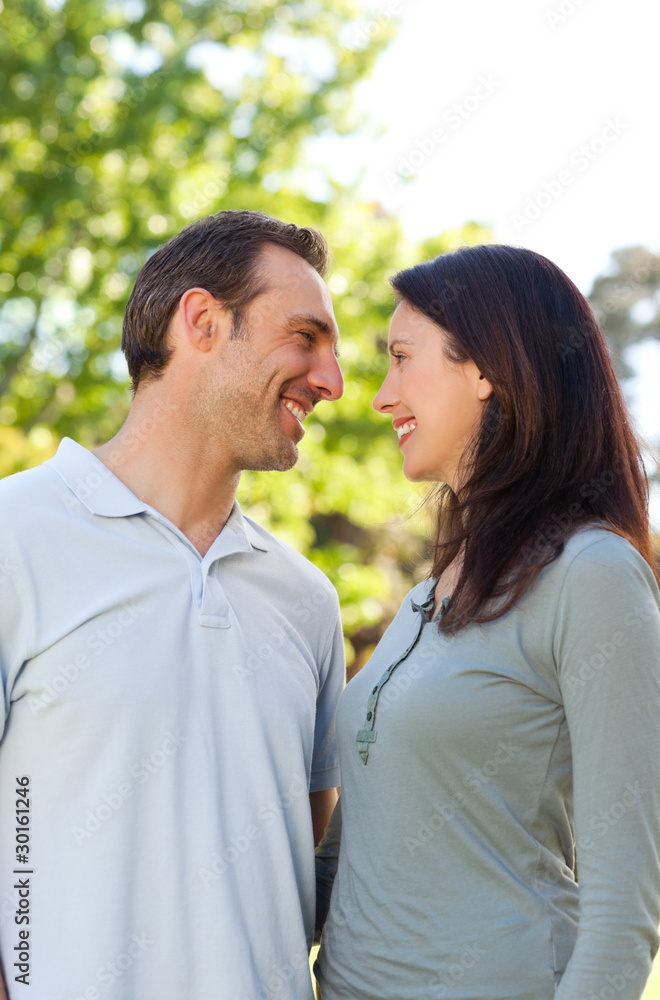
{"type": "Point", "coordinates": [435, 403]}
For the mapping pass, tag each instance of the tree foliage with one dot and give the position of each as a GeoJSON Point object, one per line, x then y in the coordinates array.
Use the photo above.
{"type": "Point", "coordinates": [123, 121]}
{"type": "Point", "coordinates": [627, 299]}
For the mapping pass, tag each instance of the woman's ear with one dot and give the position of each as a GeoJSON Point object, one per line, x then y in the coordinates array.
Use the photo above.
{"type": "Point", "coordinates": [484, 388]}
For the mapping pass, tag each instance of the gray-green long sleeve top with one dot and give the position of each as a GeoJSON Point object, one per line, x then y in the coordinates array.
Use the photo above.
{"type": "Point", "coordinates": [472, 766]}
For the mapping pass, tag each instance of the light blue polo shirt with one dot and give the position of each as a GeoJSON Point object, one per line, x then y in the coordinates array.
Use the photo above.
{"type": "Point", "coordinates": [166, 716]}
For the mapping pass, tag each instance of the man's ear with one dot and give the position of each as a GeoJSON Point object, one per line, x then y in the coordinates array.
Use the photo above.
{"type": "Point", "coordinates": [484, 388]}
{"type": "Point", "coordinates": [202, 319]}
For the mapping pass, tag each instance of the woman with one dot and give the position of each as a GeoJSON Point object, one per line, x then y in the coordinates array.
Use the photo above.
{"type": "Point", "coordinates": [510, 717]}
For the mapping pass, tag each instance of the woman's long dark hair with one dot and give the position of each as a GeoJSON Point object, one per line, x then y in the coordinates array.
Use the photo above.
{"type": "Point", "coordinates": [555, 449]}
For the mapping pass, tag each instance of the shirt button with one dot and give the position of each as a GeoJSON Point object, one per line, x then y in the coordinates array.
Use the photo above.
{"type": "Point", "coordinates": [375, 690]}
{"type": "Point", "coordinates": [369, 714]}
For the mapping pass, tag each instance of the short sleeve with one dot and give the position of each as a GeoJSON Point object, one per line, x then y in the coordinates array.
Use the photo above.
{"type": "Point", "coordinates": [15, 627]}
{"type": "Point", "coordinates": [332, 679]}
{"type": "Point", "coordinates": [607, 653]}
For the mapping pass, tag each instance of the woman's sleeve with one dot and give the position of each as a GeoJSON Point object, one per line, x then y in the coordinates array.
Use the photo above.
{"type": "Point", "coordinates": [327, 855]}
{"type": "Point", "coordinates": [607, 653]}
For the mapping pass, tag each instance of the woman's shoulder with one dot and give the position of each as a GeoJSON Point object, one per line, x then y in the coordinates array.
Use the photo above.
{"type": "Point", "coordinates": [595, 559]}
{"type": "Point", "coordinates": [598, 543]}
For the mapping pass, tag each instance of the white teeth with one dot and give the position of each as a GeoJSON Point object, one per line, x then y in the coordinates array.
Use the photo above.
{"type": "Point", "coordinates": [405, 428]}
{"type": "Point", "coordinates": [297, 412]}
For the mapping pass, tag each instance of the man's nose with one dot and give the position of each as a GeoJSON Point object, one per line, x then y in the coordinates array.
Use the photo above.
{"type": "Point", "coordinates": [327, 378]}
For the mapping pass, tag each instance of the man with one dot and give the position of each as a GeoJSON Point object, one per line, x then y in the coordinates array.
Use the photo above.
{"type": "Point", "coordinates": [170, 669]}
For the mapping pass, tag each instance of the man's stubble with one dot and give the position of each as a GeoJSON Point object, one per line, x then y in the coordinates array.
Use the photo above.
{"type": "Point", "coordinates": [236, 404]}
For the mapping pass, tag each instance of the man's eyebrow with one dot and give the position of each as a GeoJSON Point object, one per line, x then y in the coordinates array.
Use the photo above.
{"type": "Point", "coordinates": [320, 325]}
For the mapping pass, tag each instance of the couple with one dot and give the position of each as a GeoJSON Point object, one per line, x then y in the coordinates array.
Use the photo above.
{"type": "Point", "coordinates": [171, 671]}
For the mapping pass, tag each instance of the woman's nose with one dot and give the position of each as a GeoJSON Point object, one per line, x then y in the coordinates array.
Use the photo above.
{"type": "Point", "coordinates": [385, 398]}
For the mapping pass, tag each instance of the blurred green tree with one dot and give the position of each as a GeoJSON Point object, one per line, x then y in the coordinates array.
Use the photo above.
{"type": "Point", "coordinates": [626, 300]}
{"type": "Point", "coordinates": [122, 121]}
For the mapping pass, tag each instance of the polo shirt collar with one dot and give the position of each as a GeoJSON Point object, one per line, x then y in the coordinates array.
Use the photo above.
{"type": "Point", "coordinates": [239, 524]}
{"type": "Point", "coordinates": [93, 483]}
{"type": "Point", "coordinates": [99, 490]}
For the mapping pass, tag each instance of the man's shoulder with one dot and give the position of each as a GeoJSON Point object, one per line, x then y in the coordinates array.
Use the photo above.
{"type": "Point", "coordinates": [27, 490]}
{"type": "Point", "coordinates": [289, 559]}
{"type": "Point", "coordinates": [301, 591]}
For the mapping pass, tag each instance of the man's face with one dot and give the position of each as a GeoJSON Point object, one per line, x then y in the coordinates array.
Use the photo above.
{"type": "Point", "coordinates": [257, 389]}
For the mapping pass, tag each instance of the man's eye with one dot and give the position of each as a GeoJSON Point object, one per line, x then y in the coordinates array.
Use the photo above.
{"type": "Point", "coordinates": [309, 337]}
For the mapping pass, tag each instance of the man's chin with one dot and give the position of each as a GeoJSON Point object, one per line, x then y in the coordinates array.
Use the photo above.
{"type": "Point", "coordinates": [281, 461]}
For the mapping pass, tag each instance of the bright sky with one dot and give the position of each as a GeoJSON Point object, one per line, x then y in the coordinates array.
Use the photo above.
{"type": "Point", "coordinates": [514, 90]}
{"type": "Point", "coordinates": [538, 118]}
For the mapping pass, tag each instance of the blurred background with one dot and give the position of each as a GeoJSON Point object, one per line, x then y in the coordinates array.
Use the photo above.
{"type": "Point", "coordinates": [400, 129]}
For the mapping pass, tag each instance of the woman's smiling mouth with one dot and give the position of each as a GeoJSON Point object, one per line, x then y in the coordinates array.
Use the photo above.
{"type": "Point", "coordinates": [404, 427]}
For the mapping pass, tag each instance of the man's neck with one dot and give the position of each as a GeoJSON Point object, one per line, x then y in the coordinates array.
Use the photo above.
{"type": "Point", "coordinates": [170, 470]}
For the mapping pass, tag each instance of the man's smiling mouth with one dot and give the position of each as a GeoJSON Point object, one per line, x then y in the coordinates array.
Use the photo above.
{"type": "Point", "coordinates": [295, 408]}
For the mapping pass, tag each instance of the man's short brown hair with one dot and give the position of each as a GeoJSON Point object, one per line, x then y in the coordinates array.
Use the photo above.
{"type": "Point", "coordinates": [221, 254]}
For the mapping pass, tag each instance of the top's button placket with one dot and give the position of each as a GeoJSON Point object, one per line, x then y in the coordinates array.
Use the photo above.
{"type": "Point", "coordinates": [214, 612]}
{"type": "Point", "coordinates": [368, 734]}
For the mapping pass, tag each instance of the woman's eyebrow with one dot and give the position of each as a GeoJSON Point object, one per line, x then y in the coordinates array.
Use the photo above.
{"type": "Point", "coordinates": [398, 340]}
